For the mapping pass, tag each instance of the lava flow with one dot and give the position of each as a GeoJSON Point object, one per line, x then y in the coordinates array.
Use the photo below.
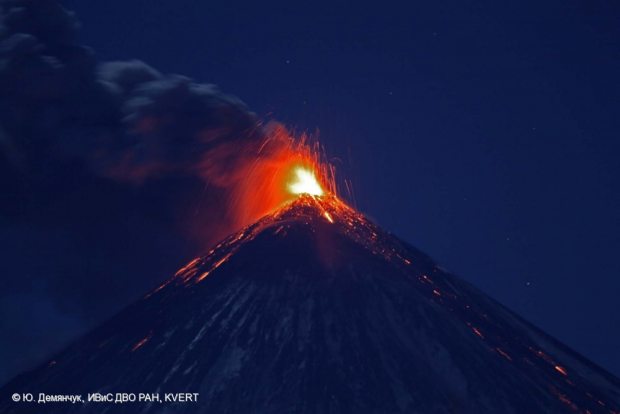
{"type": "Point", "coordinates": [313, 292]}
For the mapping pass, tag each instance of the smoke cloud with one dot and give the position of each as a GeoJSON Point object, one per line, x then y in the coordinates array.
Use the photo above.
{"type": "Point", "coordinates": [113, 174]}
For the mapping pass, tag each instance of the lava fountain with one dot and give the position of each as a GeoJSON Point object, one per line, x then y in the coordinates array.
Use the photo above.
{"type": "Point", "coordinates": [305, 182]}
{"type": "Point", "coordinates": [284, 169]}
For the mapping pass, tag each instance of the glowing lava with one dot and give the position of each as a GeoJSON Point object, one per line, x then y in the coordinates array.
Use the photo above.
{"type": "Point", "coordinates": [305, 182]}
{"type": "Point", "coordinates": [282, 169]}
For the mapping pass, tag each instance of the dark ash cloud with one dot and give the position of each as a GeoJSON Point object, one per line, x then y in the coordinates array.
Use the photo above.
{"type": "Point", "coordinates": [112, 175]}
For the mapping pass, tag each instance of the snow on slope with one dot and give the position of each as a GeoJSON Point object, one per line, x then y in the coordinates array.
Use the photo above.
{"type": "Point", "coordinates": [314, 309]}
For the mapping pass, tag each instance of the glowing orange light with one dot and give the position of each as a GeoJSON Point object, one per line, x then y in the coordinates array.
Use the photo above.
{"type": "Point", "coordinates": [305, 182]}
{"type": "Point", "coordinates": [328, 217]}
{"type": "Point", "coordinates": [283, 169]}
{"type": "Point", "coordinates": [215, 266]}
{"type": "Point", "coordinates": [561, 370]}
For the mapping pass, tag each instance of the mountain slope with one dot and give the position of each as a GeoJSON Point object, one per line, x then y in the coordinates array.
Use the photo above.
{"type": "Point", "coordinates": [314, 309]}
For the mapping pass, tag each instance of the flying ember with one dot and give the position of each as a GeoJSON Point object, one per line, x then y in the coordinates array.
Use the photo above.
{"type": "Point", "coordinates": [305, 182]}
{"type": "Point", "coordinates": [281, 169]}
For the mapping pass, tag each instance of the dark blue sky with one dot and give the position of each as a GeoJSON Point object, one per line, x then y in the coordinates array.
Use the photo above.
{"type": "Point", "coordinates": [485, 133]}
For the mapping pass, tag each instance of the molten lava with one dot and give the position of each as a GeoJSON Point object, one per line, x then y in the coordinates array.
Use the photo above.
{"type": "Point", "coordinates": [284, 169]}
{"type": "Point", "coordinates": [305, 182]}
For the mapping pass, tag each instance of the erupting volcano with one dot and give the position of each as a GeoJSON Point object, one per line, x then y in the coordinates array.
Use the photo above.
{"type": "Point", "coordinates": [305, 183]}
{"type": "Point", "coordinates": [315, 309]}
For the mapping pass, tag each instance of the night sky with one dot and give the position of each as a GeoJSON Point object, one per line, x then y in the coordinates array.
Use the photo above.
{"type": "Point", "coordinates": [484, 133]}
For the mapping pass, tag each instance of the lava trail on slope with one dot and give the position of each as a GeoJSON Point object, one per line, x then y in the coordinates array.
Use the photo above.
{"type": "Point", "coordinates": [315, 309]}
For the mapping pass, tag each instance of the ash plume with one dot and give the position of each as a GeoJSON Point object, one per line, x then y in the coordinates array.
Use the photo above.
{"type": "Point", "coordinates": [105, 166]}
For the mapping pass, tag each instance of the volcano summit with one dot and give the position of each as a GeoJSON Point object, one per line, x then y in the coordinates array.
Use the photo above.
{"type": "Point", "coordinates": [314, 309]}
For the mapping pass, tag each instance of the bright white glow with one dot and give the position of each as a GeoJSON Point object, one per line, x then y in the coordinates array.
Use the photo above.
{"type": "Point", "coordinates": [305, 183]}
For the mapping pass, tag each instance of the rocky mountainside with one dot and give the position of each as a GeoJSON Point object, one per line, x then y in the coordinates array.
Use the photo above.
{"type": "Point", "coordinates": [314, 309]}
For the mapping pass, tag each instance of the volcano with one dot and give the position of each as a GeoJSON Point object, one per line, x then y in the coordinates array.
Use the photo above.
{"type": "Point", "coordinates": [315, 309]}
